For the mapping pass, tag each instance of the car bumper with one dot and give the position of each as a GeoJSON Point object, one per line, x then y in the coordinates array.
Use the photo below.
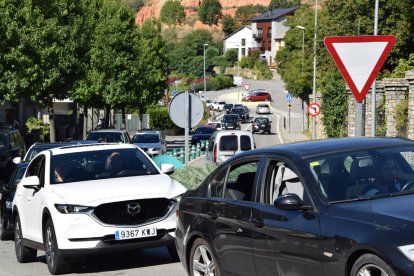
{"type": "Point", "coordinates": [85, 232]}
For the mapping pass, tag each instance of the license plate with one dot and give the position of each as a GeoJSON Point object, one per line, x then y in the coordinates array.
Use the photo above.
{"type": "Point", "coordinates": [135, 233]}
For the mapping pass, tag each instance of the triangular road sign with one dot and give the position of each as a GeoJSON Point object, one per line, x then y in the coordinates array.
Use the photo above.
{"type": "Point", "coordinates": [359, 59]}
{"type": "Point", "coordinates": [246, 86]}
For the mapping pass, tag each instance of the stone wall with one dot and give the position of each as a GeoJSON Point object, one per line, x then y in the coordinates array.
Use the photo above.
{"type": "Point", "coordinates": [389, 93]}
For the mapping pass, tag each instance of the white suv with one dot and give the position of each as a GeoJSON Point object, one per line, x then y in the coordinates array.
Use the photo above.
{"type": "Point", "coordinates": [84, 199]}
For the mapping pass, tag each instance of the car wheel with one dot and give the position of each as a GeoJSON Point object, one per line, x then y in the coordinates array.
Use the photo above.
{"type": "Point", "coordinates": [4, 235]}
{"type": "Point", "coordinates": [202, 261]}
{"type": "Point", "coordinates": [55, 262]}
{"type": "Point", "coordinates": [23, 254]}
{"type": "Point", "coordinates": [369, 264]}
{"type": "Point", "coordinates": [172, 250]}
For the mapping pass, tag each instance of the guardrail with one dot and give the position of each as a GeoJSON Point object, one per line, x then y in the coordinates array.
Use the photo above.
{"type": "Point", "coordinates": [195, 151]}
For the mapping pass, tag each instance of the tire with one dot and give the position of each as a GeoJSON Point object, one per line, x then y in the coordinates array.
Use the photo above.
{"type": "Point", "coordinates": [201, 254]}
{"type": "Point", "coordinates": [172, 250]}
{"type": "Point", "coordinates": [369, 264]}
{"type": "Point", "coordinates": [55, 262]}
{"type": "Point", "coordinates": [23, 254]}
{"type": "Point", "coordinates": [4, 235]}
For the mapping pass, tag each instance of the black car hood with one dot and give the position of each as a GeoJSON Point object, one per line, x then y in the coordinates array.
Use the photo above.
{"type": "Point", "coordinates": [201, 136]}
{"type": "Point", "coordinates": [385, 213]}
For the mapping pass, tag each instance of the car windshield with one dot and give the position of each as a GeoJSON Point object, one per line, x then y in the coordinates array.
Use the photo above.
{"type": "Point", "coordinates": [109, 137]}
{"type": "Point", "coordinates": [237, 110]}
{"type": "Point", "coordinates": [99, 164]}
{"type": "Point", "coordinates": [261, 120]}
{"type": "Point", "coordinates": [228, 106]}
{"type": "Point", "coordinates": [19, 174]}
{"type": "Point", "coordinates": [362, 175]}
{"type": "Point", "coordinates": [204, 130]}
{"type": "Point", "coordinates": [146, 138]}
{"type": "Point", "coordinates": [231, 118]}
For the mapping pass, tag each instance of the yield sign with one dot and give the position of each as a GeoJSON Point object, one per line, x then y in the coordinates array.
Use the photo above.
{"type": "Point", "coordinates": [359, 59]}
{"type": "Point", "coordinates": [246, 86]}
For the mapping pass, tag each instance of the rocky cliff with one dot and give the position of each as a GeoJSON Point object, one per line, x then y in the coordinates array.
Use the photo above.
{"type": "Point", "coordinates": [152, 9]}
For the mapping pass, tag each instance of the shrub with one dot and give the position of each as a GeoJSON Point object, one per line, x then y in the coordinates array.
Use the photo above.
{"type": "Point", "coordinates": [191, 176]}
{"type": "Point", "coordinates": [401, 118]}
{"type": "Point", "coordinates": [34, 124]}
{"type": "Point", "coordinates": [264, 72]}
{"type": "Point", "coordinates": [160, 118]}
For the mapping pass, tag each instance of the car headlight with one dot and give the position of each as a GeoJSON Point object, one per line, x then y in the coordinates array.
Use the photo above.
{"type": "Point", "coordinates": [408, 251]}
{"type": "Point", "coordinates": [9, 204]}
{"type": "Point", "coordinates": [73, 209]}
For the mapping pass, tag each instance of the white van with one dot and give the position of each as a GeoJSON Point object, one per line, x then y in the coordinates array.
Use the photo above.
{"type": "Point", "coordinates": [224, 144]}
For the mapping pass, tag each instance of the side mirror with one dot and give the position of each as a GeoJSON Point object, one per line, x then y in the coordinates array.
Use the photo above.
{"type": "Point", "coordinates": [17, 160]}
{"type": "Point", "coordinates": [167, 168]}
{"type": "Point", "coordinates": [289, 202]}
{"type": "Point", "coordinates": [32, 182]}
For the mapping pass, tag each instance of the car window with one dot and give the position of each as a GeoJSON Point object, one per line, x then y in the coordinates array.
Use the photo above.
{"type": "Point", "coordinates": [240, 181]}
{"type": "Point", "coordinates": [37, 167]}
{"type": "Point", "coordinates": [18, 176]}
{"type": "Point", "coordinates": [245, 143]}
{"type": "Point", "coordinates": [146, 138]}
{"type": "Point", "coordinates": [228, 143]}
{"type": "Point", "coordinates": [357, 174]}
{"type": "Point", "coordinates": [14, 140]}
{"type": "Point", "coordinates": [282, 179]}
{"type": "Point", "coordinates": [3, 140]}
{"type": "Point", "coordinates": [110, 137]}
{"type": "Point", "coordinates": [217, 184]}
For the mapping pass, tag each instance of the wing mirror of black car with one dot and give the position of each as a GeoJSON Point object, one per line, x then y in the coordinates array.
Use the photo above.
{"type": "Point", "coordinates": [290, 202]}
{"type": "Point", "coordinates": [32, 182]}
{"type": "Point", "coordinates": [191, 132]}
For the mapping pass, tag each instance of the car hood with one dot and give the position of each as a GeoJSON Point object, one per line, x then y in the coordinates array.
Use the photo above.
{"type": "Point", "coordinates": [394, 212]}
{"type": "Point", "coordinates": [199, 136]}
{"type": "Point", "coordinates": [148, 145]}
{"type": "Point", "coordinates": [96, 192]}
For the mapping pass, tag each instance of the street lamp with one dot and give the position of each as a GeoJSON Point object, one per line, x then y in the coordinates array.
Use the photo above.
{"type": "Point", "coordinates": [314, 69]}
{"type": "Point", "coordinates": [303, 44]}
{"type": "Point", "coordinates": [204, 54]}
{"type": "Point", "coordinates": [303, 58]}
{"type": "Point", "coordinates": [238, 59]}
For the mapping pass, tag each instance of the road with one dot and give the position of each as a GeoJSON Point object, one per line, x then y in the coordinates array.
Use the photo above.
{"type": "Point", "coordinates": [151, 261]}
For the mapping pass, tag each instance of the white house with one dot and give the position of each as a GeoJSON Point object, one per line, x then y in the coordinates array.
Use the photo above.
{"type": "Point", "coordinates": [242, 40]}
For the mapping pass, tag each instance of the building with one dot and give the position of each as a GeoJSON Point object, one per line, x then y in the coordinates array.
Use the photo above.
{"type": "Point", "coordinates": [241, 40]}
{"type": "Point", "coordinates": [269, 30]}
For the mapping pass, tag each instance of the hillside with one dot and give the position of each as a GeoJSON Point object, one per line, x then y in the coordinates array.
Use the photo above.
{"type": "Point", "coordinates": [152, 9]}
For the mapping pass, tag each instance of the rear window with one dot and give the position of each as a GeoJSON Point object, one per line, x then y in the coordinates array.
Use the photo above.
{"type": "Point", "coordinates": [109, 137]}
{"type": "Point", "coordinates": [228, 143]}
{"type": "Point", "coordinates": [245, 143]}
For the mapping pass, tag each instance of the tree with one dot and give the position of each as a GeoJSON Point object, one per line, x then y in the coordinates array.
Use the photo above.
{"type": "Point", "coordinates": [403, 66]}
{"type": "Point", "coordinates": [281, 4]}
{"type": "Point", "coordinates": [231, 55]}
{"type": "Point", "coordinates": [172, 12]}
{"type": "Point", "coordinates": [209, 12]}
{"type": "Point", "coordinates": [245, 13]}
{"type": "Point", "coordinates": [228, 25]}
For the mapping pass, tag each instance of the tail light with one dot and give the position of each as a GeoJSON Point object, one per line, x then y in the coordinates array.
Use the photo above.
{"type": "Point", "coordinates": [215, 154]}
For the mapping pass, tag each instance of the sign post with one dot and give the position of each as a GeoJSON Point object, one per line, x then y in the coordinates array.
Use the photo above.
{"type": "Point", "coordinates": [359, 59]}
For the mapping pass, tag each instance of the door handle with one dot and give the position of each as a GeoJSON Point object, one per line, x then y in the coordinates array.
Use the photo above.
{"type": "Point", "coordinates": [212, 214]}
{"type": "Point", "coordinates": [257, 223]}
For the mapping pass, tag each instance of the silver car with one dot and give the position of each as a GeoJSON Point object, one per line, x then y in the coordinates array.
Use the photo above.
{"type": "Point", "coordinates": [150, 142]}
{"type": "Point", "coordinates": [262, 109]}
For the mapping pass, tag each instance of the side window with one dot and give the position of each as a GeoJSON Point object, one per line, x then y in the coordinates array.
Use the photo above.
{"type": "Point", "coordinates": [210, 145]}
{"type": "Point", "coordinates": [35, 167]}
{"type": "Point", "coordinates": [280, 180]}
{"type": "Point", "coordinates": [217, 184]}
{"type": "Point", "coordinates": [245, 143]}
{"type": "Point", "coordinates": [240, 181]}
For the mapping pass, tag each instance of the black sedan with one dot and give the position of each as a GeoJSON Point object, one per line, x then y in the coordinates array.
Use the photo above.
{"type": "Point", "coordinates": [261, 125]}
{"type": "Point", "coordinates": [7, 194]}
{"type": "Point", "coordinates": [328, 207]}
{"type": "Point", "coordinates": [202, 133]}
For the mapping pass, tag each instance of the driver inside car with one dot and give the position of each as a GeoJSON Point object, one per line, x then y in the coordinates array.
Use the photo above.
{"type": "Point", "coordinates": [385, 179]}
{"type": "Point", "coordinates": [113, 165]}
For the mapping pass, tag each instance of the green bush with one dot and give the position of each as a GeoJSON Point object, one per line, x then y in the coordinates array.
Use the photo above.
{"type": "Point", "coordinates": [264, 72]}
{"type": "Point", "coordinates": [401, 118]}
{"type": "Point", "coordinates": [191, 176]}
{"type": "Point", "coordinates": [159, 118]}
{"type": "Point", "coordinates": [34, 124]}
{"type": "Point", "coordinates": [244, 62]}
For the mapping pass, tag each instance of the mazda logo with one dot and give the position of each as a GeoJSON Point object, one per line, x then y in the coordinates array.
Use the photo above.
{"type": "Point", "coordinates": [133, 208]}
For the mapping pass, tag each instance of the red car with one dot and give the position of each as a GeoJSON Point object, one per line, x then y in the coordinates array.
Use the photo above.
{"type": "Point", "coordinates": [257, 96]}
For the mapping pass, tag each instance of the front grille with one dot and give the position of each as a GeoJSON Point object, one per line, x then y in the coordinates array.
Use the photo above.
{"type": "Point", "coordinates": [117, 213]}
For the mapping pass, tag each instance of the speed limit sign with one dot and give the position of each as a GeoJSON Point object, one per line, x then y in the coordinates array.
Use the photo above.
{"type": "Point", "coordinates": [314, 109]}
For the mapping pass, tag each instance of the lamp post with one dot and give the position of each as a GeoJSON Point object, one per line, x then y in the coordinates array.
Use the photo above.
{"type": "Point", "coordinates": [314, 69]}
{"type": "Point", "coordinates": [303, 44]}
{"type": "Point", "coordinates": [204, 54]}
{"type": "Point", "coordinates": [303, 58]}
